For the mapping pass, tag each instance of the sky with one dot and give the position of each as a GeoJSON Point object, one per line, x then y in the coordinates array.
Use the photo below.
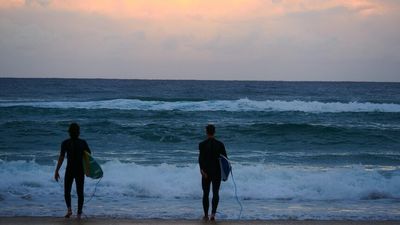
{"type": "Point", "coordinates": [300, 40]}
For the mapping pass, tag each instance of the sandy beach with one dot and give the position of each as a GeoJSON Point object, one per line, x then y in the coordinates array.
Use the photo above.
{"type": "Point", "coordinates": [111, 221]}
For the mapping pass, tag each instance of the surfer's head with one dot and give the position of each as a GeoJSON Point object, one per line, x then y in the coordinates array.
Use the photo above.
{"type": "Point", "coordinates": [74, 130]}
{"type": "Point", "coordinates": [210, 130]}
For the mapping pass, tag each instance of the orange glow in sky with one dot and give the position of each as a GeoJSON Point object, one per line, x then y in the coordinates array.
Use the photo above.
{"type": "Point", "coordinates": [211, 36]}
{"type": "Point", "coordinates": [202, 9]}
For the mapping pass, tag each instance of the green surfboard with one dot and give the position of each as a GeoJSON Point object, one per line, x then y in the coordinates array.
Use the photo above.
{"type": "Point", "coordinates": [91, 167]}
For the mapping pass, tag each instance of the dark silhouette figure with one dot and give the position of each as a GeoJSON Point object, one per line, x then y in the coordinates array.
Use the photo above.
{"type": "Point", "coordinates": [74, 147]}
{"type": "Point", "coordinates": [210, 150]}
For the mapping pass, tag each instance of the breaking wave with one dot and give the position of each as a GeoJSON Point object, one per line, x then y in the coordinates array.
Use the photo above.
{"type": "Point", "coordinates": [215, 105]}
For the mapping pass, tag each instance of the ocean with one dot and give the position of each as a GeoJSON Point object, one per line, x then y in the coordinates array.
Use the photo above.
{"type": "Point", "coordinates": [299, 150]}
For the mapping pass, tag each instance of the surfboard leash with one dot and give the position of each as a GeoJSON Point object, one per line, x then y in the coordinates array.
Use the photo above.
{"type": "Point", "coordinates": [91, 196]}
{"type": "Point", "coordinates": [94, 192]}
{"type": "Point", "coordinates": [236, 195]}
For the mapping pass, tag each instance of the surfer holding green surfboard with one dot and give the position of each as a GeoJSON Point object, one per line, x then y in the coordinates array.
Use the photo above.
{"type": "Point", "coordinates": [75, 149]}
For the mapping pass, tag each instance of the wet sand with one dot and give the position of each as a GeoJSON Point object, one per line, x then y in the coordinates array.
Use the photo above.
{"type": "Point", "coordinates": [111, 221]}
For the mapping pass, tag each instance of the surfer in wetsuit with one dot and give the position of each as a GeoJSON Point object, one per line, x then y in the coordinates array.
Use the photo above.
{"type": "Point", "coordinates": [210, 150]}
{"type": "Point", "coordinates": [74, 147]}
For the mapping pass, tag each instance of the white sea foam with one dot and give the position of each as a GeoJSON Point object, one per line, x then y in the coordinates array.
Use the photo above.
{"type": "Point", "coordinates": [253, 182]}
{"type": "Point", "coordinates": [169, 191]}
{"type": "Point", "coordinates": [217, 105]}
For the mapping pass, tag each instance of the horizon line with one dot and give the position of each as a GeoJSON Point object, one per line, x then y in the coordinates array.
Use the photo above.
{"type": "Point", "coordinates": [176, 79]}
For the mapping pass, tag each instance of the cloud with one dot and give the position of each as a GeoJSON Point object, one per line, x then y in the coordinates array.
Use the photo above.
{"type": "Point", "coordinates": [201, 9]}
{"type": "Point", "coordinates": [4, 4]}
{"type": "Point", "coordinates": [227, 39]}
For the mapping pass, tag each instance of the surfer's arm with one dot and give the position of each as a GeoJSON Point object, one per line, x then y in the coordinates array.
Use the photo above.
{"type": "Point", "coordinates": [59, 163]}
{"type": "Point", "coordinates": [203, 174]}
{"type": "Point", "coordinates": [223, 151]}
{"type": "Point", "coordinates": [87, 148]}
{"type": "Point", "coordinates": [201, 163]}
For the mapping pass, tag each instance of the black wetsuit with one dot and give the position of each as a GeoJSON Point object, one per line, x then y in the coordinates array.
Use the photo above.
{"type": "Point", "coordinates": [74, 149]}
{"type": "Point", "coordinates": [210, 150]}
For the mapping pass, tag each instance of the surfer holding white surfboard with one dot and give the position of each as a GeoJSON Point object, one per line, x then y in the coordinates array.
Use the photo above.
{"type": "Point", "coordinates": [210, 151]}
{"type": "Point", "coordinates": [75, 149]}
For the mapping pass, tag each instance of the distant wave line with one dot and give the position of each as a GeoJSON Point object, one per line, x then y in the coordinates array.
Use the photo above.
{"type": "Point", "coordinates": [240, 105]}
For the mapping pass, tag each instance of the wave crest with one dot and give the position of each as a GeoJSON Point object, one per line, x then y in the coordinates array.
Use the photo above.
{"type": "Point", "coordinates": [216, 105]}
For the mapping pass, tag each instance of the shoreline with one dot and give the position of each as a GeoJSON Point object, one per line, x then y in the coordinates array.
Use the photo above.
{"type": "Point", "coordinates": [117, 221]}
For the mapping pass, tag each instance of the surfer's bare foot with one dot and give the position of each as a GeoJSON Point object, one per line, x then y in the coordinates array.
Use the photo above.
{"type": "Point", "coordinates": [205, 218]}
{"type": "Point", "coordinates": [79, 216]}
{"type": "Point", "coordinates": [212, 218]}
{"type": "Point", "coordinates": [69, 214]}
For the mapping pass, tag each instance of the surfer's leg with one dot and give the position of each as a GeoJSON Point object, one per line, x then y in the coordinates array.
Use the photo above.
{"type": "Point", "coordinates": [205, 184]}
{"type": "Point", "coordinates": [79, 181]}
{"type": "Point", "coordinates": [215, 199]}
{"type": "Point", "coordinates": [68, 179]}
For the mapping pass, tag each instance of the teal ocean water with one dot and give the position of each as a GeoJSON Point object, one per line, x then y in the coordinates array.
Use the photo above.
{"type": "Point", "coordinates": [299, 150]}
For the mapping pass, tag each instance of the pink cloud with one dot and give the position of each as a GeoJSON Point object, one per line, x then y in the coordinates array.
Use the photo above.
{"type": "Point", "coordinates": [201, 9]}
